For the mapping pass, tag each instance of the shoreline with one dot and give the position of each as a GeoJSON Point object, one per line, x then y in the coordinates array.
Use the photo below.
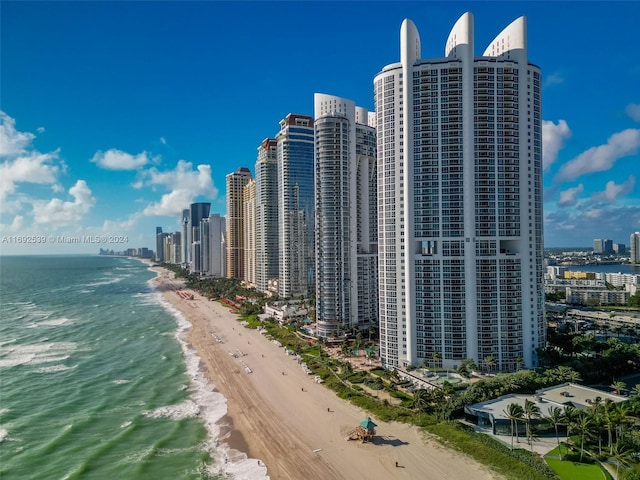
{"type": "Point", "coordinates": [280, 424]}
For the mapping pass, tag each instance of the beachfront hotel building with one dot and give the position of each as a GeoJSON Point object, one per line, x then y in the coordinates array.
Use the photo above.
{"type": "Point", "coordinates": [266, 170]}
{"type": "Point", "coordinates": [249, 214]}
{"type": "Point", "coordinates": [296, 258]}
{"type": "Point", "coordinates": [459, 150]}
{"type": "Point", "coordinates": [236, 182]}
{"type": "Point", "coordinates": [345, 217]}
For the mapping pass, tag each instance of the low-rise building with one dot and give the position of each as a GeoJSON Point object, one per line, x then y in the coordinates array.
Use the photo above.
{"type": "Point", "coordinates": [494, 412]}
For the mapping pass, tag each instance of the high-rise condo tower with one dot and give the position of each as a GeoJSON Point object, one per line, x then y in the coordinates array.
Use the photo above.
{"type": "Point", "coordinates": [459, 149]}
{"type": "Point", "coordinates": [296, 260]}
{"type": "Point", "coordinates": [266, 214]}
{"type": "Point", "coordinates": [346, 217]}
{"type": "Point", "coordinates": [236, 182]}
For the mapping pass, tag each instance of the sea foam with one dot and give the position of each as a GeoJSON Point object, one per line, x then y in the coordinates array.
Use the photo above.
{"type": "Point", "coordinates": [34, 354]}
{"type": "Point", "coordinates": [213, 407]}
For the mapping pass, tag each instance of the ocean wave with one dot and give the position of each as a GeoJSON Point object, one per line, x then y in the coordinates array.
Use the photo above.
{"type": "Point", "coordinates": [55, 368]}
{"type": "Point", "coordinates": [120, 382]}
{"type": "Point", "coordinates": [56, 322]}
{"type": "Point", "coordinates": [138, 457]}
{"type": "Point", "coordinates": [125, 424]}
{"type": "Point", "coordinates": [3, 434]}
{"type": "Point", "coordinates": [179, 411]}
{"type": "Point", "coordinates": [213, 409]}
{"type": "Point", "coordinates": [106, 281]}
{"type": "Point", "coordinates": [34, 354]}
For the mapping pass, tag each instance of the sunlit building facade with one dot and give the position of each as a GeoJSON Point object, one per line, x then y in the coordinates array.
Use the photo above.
{"type": "Point", "coordinates": [296, 259]}
{"type": "Point", "coordinates": [266, 214]}
{"type": "Point", "coordinates": [459, 149]}
{"type": "Point", "coordinates": [236, 182]}
{"type": "Point", "coordinates": [346, 217]}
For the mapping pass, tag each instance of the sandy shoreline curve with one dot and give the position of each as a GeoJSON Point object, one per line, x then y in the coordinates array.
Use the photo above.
{"type": "Point", "coordinates": [295, 427]}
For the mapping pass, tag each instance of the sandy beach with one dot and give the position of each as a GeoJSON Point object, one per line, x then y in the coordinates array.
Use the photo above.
{"type": "Point", "coordinates": [294, 426]}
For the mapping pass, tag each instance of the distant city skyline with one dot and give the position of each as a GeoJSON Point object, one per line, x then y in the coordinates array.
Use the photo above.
{"type": "Point", "coordinates": [116, 116]}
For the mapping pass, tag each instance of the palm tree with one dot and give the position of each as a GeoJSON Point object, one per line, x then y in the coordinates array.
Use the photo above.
{"type": "Point", "coordinates": [556, 418]}
{"type": "Point", "coordinates": [583, 426]}
{"type": "Point", "coordinates": [574, 377]}
{"type": "Point", "coordinates": [635, 391]}
{"type": "Point", "coordinates": [622, 453]}
{"type": "Point", "coordinates": [620, 410]}
{"type": "Point", "coordinates": [570, 415]}
{"type": "Point", "coordinates": [514, 412]}
{"type": "Point", "coordinates": [420, 400]}
{"type": "Point", "coordinates": [490, 362]}
{"type": "Point", "coordinates": [609, 420]}
{"type": "Point", "coordinates": [619, 387]}
{"type": "Point", "coordinates": [598, 422]}
{"type": "Point", "coordinates": [531, 411]}
{"type": "Point", "coordinates": [436, 356]}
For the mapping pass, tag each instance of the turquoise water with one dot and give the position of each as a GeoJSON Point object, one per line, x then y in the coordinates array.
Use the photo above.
{"type": "Point", "coordinates": [93, 383]}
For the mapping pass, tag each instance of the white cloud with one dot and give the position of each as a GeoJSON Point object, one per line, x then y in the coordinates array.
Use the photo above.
{"type": "Point", "coordinates": [595, 213]}
{"type": "Point", "coordinates": [21, 163]}
{"type": "Point", "coordinates": [185, 183]}
{"type": "Point", "coordinates": [30, 167]}
{"type": "Point", "coordinates": [17, 225]}
{"type": "Point", "coordinates": [577, 227]}
{"type": "Point", "coordinates": [163, 140]}
{"type": "Point", "coordinates": [12, 142]}
{"type": "Point", "coordinates": [118, 226]}
{"type": "Point", "coordinates": [602, 157]}
{"type": "Point", "coordinates": [613, 190]}
{"type": "Point", "coordinates": [57, 212]}
{"type": "Point", "coordinates": [115, 159]}
{"type": "Point", "coordinates": [40, 129]}
{"type": "Point", "coordinates": [555, 78]}
{"type": "Point", "coordinates": [553, 137]}
{"type": "Point", "coordinates": [569, 197]}
{"type": "Point", "coordinates": [633, 110]}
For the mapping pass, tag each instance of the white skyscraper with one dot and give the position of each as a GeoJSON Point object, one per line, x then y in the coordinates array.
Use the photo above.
{"type": "Point", "coordinates": [346, 217]}
{"type": "Point", "coordinates": [249, 216]}
{"type": "Point", "coordinates": [460, 202]}
{"type": "Point", "coordinates": [212, 230]}
{"type": "Point", "coordinates": [266, 214]}
{"type": "Point", "coordinates": [185, 241]}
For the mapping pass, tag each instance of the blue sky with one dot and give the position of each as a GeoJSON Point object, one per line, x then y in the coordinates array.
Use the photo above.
{"type": "Point", "coordinates": [116, 115]}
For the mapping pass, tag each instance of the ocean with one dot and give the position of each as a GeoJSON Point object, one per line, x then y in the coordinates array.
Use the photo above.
{"type": "Point", "coordinates": [96, 381]}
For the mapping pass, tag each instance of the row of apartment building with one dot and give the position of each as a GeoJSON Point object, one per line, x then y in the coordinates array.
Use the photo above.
{"type": "Point", "coordinates": [591, 288]}
{"type": "Point", "coordinates": [423, 218]}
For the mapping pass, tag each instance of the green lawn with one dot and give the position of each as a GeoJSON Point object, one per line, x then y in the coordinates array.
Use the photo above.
{"type": "Point", "coordinates": [573, 470]}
